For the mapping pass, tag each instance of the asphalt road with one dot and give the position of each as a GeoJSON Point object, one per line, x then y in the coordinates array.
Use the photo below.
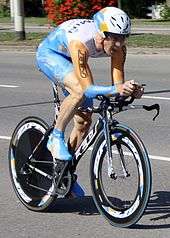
{"type": "Point", "coordinates": [24, 91]}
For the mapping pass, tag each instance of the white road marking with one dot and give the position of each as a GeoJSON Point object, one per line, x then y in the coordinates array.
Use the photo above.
{"type": "Point", "coordinates": [154, 157]}
{"type": "Point", "coordinates": [158, 98]}
{"type": "Point", "coordinates": [5, 137]}
{"type": "Point", "coordinates": [8, 86]}
{"type": "Point", "coordinates": [159, 158]}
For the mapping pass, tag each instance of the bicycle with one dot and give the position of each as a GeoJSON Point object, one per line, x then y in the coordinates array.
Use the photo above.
{"type": "Point", "coordinates": [119, 158]}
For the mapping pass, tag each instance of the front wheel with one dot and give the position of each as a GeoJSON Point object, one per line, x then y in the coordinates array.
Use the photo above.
{"type": "Point", "coordinates": [121, 185]}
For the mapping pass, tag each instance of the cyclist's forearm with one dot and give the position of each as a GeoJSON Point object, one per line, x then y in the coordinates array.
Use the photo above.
{"type": "Point", "coordinates": [94, 90]}
{"type": "Point", "coordinates": [117, 66]}
{"type": "Point", "coordinates": [117, 77]}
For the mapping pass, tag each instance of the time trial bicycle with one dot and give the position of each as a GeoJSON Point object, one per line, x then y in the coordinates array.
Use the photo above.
{"type": "Point", "coordinates": [120, 170]}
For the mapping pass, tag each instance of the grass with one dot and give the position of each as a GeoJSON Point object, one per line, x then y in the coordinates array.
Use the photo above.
{"type": "Point", "coordinates": [32, 39]}
{"type": "Point", "coordinates": [140, 40]}
{"type": "Point", "coordinates": [149, 40]}
{"type": "Point", "coordinates": [152, 22]}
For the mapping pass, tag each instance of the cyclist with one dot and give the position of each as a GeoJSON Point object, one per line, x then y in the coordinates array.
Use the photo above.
{"type": "Point", "coordinates": [63, 57]}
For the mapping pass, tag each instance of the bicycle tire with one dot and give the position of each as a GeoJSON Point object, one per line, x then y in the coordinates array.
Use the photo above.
{"type": "Point", "coordinates": [119, 212]}
{"type": "Point", "coordinates": [25, 138]}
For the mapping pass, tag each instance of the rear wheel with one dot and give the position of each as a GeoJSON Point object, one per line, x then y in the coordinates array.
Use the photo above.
{"type": "Point", "coordinates": [31, 165]}
{"type": "Point", "coordinates": [121, 196]}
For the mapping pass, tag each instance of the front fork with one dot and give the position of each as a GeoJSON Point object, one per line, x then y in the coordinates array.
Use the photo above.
{"type": "Point", "coordinates": [107, 130]}
{"type": "Point", "coordinates": [108, 123]}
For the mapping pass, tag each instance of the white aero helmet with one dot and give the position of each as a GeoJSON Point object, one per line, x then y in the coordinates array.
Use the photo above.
{"type": "Point", "coordinates": [113, 20]}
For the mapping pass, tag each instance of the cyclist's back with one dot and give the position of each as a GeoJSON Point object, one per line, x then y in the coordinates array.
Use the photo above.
{"type": "Point", "coordinates": [82, 30]}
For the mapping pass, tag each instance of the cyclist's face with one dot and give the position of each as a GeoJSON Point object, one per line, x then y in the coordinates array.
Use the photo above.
{"type": "Point", "coordinates": [112, 44]}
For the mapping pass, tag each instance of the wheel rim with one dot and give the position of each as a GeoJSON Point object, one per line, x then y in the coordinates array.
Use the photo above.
{"type": "Point", "coordinates": [111, 202]}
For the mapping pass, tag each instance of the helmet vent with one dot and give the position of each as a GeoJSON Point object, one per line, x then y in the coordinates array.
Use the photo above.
{"type": "Point", "coordinates": [112, 23]}
{"type": "Point", "coordinates": [127, 27]}
{"type": "Point", "coordinates": [113, 18]}
{"type": "Point", "coordinates": [119, 26]}
{"type": "Point", "coordinates": [122, 19]}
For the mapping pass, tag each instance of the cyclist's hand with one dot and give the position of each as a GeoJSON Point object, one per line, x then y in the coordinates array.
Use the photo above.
{"type": "Point", "coordinates": [138, 91]}
{"type": "Point", "coordinates": [127, 88]}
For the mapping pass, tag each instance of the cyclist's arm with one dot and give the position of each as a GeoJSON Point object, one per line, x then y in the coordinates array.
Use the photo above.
{"type": "Point", "coordinates": [117, 66]}
{"type": "Point", "coordinates": [117, 73]}
{"type": "Point", "coordinates": [79, 55]}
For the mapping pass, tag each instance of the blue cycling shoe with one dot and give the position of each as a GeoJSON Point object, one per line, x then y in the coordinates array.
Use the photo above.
{"type": "Point", "coordinates": [76, 191]}
{"type": "Point", "coordinates": [57, 146]}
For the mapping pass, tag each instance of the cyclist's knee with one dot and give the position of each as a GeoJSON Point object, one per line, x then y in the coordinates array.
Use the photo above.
{"type": "Point", "coordinates": [78, 93]}
{"type": "Point", "coordinates": [82, 123]}
{"type": "Point", "coordinates": [73, 86]}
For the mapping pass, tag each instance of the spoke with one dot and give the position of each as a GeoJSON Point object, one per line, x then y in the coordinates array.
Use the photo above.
{"type": "Point", "coordinates": [41, 161]}
{"type": "Point", "coordinates": [40, 172]}
{"type": "Point", "coordinates": [39, 188]}
{"type": "Point", "coordinates": [36, 147]}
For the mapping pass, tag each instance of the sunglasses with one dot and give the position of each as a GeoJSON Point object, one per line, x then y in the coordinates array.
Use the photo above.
{"type": "Point", "coordinates": [115, 36]}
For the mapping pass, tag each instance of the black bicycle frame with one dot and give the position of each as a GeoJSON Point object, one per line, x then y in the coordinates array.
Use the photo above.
{"type": "Point", "coordinates": [88, 140]}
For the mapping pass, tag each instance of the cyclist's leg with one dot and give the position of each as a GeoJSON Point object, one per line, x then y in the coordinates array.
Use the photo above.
{"type": "Point", "coordinates": [82, 122]}
{"type": "Point", "coordinates": [59, 68]}
{"type": "Point", "coordinates": [71, 102]}
{"type": "Point", "coordinates": [55, 67]}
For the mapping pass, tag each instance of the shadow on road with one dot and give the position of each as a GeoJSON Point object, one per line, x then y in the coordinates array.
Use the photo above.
{"type": "Point", "coordinates": [159, 203]}
{"type": "Point", "coordinates": [81, 206]}
{"type": "Point", "coordinates": [159, 208]}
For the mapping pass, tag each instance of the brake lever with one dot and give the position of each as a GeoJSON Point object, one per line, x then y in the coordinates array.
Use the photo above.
{"type": "Point", "coordinates": [122, 101]}
{"type": "Point", "coordinates": [153, 107]}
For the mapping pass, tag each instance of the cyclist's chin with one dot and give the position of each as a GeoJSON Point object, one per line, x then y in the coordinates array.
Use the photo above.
{"type": "Point", "coordinates": [111, 51]}
{"type": "Point", "coordinates": [108, 52]}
